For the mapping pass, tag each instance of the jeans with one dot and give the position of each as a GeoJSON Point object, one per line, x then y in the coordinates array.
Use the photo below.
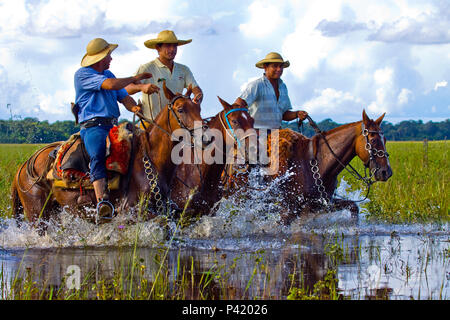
{"type": "Point", "coordinates": [94, 139]}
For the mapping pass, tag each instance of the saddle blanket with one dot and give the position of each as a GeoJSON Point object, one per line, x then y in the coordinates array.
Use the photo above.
{"type": "Point", "coordinates": [71, 166]}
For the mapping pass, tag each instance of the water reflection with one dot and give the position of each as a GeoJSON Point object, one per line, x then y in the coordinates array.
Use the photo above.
{"type": "Point", "coordinates": [364, 267]}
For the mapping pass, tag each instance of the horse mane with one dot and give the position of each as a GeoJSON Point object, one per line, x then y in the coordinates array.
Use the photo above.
{"type": "Point", "coordinates": [341, 127]}
{"type": "Point", "coordinates": [289, 142]}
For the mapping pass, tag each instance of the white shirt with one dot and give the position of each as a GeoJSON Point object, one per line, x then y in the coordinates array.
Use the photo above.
{"type": "Point", "coordinates": [180, 77]}
{"type": "Point", "coordinates": [263, 104]}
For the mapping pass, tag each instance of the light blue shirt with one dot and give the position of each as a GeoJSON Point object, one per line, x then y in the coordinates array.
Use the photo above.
{"type": "Point", "coordinates": [92, 99]}
{"type": "Point", "coordinates": [263, 105]}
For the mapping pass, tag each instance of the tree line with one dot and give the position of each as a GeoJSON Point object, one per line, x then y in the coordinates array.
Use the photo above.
{"type": "Point", "coordinates": [31, 130]}
{"type": "Point", "coordinates": [409, 130]}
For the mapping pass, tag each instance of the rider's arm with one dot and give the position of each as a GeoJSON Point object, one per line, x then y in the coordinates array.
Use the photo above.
{"type": "Point", "coordinates": [147, 88]}
{"type": "Point", "coordinates": [198, 94]}
{"type": "Point", "coordinates": [291, 115]}
{"type": "Point", "coordinates": [130, 104]}
{"type": "Point", "coordinates": [241, 102]}
{"type": "Point", "coordinates": [120, 83]}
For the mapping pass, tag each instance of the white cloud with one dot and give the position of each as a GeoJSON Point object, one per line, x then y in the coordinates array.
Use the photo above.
{"type": "Point", "coordinates": [383, 76]}
{"type": "Point", "coordinates": [265, 19]}
{"type": "Point", "coordinates": [244, 85]}
{"type": "Point", "coordinates": [385, 93]}
{"type": "Point", "coordinates": [331, 101]}
{"type": "Point", "coordinates": [334, 68]}
{"type": "Point", "coordinates": [138, 13]}
{"type": "Point", "coordinates": [440, 84]}
{"type": "Point", "coordinates": [404, 96]}
{"type": "Point", "coordinates": [13, 15]}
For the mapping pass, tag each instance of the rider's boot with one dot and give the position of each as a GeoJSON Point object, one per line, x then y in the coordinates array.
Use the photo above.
{"type": "Point", "coordinates": [105, 209]}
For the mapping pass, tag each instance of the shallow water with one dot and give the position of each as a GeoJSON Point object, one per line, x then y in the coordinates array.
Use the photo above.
{"type": "Point", "coordinates": [251, 254]}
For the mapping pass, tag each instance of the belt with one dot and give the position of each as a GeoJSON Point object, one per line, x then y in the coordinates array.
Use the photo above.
{"type": "Point", "coordinates": [98, 121]}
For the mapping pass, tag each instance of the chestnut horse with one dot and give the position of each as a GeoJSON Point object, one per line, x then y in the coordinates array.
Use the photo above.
{"type": "Point", "coordinates": [230, 127]}
{"type": "Point", "coordinates": [150, 173]}
{"type": "Point", "coordinates": [308, 168]}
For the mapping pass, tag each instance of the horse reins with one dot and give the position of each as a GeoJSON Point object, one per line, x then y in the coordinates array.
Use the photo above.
{"type": "Point", "coordinates": [367, 180]}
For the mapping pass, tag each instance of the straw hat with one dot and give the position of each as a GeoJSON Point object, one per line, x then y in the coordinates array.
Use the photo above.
{"type": "Point", "coordinates": [272, 57]}
{"type": "Point", "coordinates": [96, 50]}
{"type": "Point", "coordinates": [165, 36]}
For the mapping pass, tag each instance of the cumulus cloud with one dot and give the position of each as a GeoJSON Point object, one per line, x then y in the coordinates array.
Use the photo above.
{"type": "Point", "coordinates": [337, 28]}
{"type": "Point", "coordinates": [265, 19]}
{"type": "Point", "coordinates": [344, 54]}
{"type": "Point", "coordinates": [330, 101]}
{"type": "Point", "coordinates": [440, 84]}
{"type": "Point", "coordinates": [425, 29]}
{"type": "Point", "coordinates": [404, 96]}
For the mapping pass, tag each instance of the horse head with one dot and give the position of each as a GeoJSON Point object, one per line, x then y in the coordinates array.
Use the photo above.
{"type": "Point", "coordinates": [183, 112]}
{"type": "Point", "coordinates": [371, 148]}
{"type": "Point", "coordinates": [238, 124]}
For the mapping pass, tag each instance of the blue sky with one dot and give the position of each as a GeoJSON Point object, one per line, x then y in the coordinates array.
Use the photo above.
{"type": "Point", "coordinates": [346, 55]}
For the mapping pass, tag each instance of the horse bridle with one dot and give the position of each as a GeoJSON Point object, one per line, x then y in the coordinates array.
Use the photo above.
{"type": "Point", "coordinates": [233, 134]}
{"type": "Point", "coordinates": [373, 153]}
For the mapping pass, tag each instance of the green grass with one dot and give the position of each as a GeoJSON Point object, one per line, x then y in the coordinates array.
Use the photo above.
{"type": "Point", "coordinates": [416, 193]}
{"type": "Point", "coordinates": [11, 157]}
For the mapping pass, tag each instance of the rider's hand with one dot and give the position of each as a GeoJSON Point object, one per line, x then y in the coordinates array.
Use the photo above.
{"type": "Point", "coordinates": [198, 98]}
{"type": "Point", "coordinates": [301, 115]}
{"type": "Point", "coordinates": [149, 88]}
{"type": "Point", "coordinates": [142, 76]}
{"type": "Point", "coordinates": [136, 109]}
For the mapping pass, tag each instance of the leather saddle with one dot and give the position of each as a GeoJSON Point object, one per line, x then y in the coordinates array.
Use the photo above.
{"type": "Point", "coordinates": [71, 165]}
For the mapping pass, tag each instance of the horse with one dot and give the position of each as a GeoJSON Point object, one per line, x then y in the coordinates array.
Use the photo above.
{"type": "Point", "coordinates": [229, 128]}
{"type": "Point", "coordinates": [308, 168]}
{"type": "Point", "coordinates": [150, 169]}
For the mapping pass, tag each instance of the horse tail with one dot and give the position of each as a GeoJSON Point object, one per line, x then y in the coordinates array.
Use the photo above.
{"type": "Point", "coordinates": [16, 207]}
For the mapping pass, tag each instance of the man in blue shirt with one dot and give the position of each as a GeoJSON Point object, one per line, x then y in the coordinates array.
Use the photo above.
{"type": "Point", "coordinates": [97, 93]}
{"type": "Point", "coordinates": [267, 98]}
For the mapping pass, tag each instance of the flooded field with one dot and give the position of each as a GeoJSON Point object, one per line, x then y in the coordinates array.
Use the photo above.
{"type": "Point", "coordinates": [241, 253]}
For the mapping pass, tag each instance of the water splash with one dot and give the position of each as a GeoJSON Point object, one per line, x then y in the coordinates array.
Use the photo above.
{"type": "Point", "coordinates": [248, 219]}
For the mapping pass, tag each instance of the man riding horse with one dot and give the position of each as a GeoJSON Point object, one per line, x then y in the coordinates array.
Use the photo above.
{"type": "Point", "coordinates": [97, 93]}
{"type": "Point", "coordinates": [267, 97]}
{"type": "Point", "coordinates": [177, 76]}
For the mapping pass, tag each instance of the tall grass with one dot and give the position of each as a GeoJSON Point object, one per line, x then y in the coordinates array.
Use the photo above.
{"type": "Point", "coordinates": [11, 157]}
{"type": "Point", "coordinates": [417, 192]}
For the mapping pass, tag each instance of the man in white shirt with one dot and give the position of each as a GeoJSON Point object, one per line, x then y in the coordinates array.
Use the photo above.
{"type": "Point", "coordinates": [267, 97]}
{"type": "Point", "coordinates": [176, 75]}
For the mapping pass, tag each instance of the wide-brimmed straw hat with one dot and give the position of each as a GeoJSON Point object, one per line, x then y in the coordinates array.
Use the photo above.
{"type": "Point", "coordinates": [165, 36]}
{"type": "Point", "coordinates": [270, 58]}
{"type": "Point", "coordinates": [96, 50]}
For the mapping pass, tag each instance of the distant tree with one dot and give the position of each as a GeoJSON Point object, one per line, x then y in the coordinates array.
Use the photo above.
{"type": "Point", "coordinates": [31, 130]}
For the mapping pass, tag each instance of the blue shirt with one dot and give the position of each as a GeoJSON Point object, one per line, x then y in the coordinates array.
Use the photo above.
{"type": "Point", "coordinates": [92, 99]}
{"type": "Point", "coordinates": [263, 105]}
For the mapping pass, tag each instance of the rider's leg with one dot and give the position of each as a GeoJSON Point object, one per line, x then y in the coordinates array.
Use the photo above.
{"type": "Point", "coordinates": [95, 142]}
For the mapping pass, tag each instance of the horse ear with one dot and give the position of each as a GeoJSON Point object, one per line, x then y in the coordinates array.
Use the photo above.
{"type": "Point", "coordinates": [189, 91]}
{"type": "Point", "coordinates": [380, 119]}
{"type": "Point", "coordinates": [169, 94]}
{"type": "Point", "coordinates": [225, 104]}
{"type": "Point", "coordinates": [365, 117]}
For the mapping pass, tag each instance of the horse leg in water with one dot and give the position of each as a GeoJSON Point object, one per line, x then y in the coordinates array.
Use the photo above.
{"type": "Point", "coordinates": [341, 204]}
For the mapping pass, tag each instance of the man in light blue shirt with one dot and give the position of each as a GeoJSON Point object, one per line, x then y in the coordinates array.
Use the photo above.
{"type": "Point", "coordinates": [97, 94]}
{"type": "Point", "coordinates": [267, 98]}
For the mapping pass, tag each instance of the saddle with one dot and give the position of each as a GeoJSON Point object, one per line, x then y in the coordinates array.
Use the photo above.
{"type": "Point", "coordinates": [70, 168]}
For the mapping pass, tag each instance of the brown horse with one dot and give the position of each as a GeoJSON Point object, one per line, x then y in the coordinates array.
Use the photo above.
{"type": "Point", "coordinates": [308, 168]}
{"type": "Point", "coordinates": [230, 125]}
{"type": "Point", "coordinates": [151, 168]}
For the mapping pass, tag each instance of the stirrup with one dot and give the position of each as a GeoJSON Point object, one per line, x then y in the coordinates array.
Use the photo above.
{"type": "Point", "coordinates": [99, 205]}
